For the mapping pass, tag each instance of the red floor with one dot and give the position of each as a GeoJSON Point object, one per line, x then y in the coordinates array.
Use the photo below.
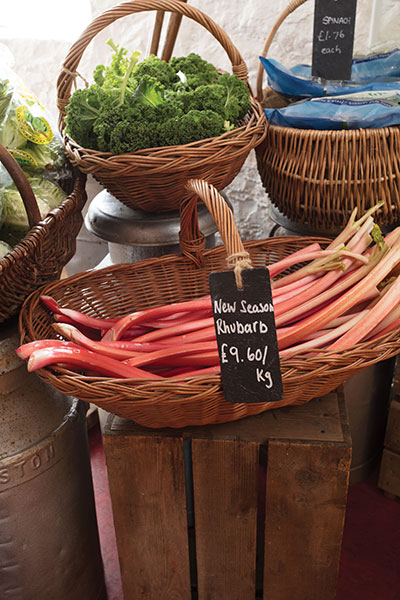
{"type": "Point", "coordinates": [370, 562]}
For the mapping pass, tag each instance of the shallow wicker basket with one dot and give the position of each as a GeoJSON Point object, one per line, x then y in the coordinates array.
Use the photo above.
{"type": "Point", "coordinates": [154, 179]}
{"type": "Point", "coordinates": [40, 257]}
{"type": "Point", "coordinates": [125, 288]}
{"type": "Point", "coordinates": [319, 177]}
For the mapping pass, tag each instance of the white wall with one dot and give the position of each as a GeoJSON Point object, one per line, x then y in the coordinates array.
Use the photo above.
{"type": "Point", "coordinates": [247, 23]}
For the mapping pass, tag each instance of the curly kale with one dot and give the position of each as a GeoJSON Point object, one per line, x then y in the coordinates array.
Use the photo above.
{"type": "Point", "coordinates": [192, 126]}
{"type": "Point", "coordinates": [82, 112]}
{"type": "Point", "coordinates": [149, 92]}
{"type": "Point", "coordinates": [133, 106]}
{"type": "Point", "coordinates": [196, 70]}
{"type": "Point", "coordinates": [228, 97]}
{"type": "Point", "coordinates": [111, 78]}
{"type": "Point", "coordinates": [237, 103]}
{"type": "Point", "coordinates": [158, 69]}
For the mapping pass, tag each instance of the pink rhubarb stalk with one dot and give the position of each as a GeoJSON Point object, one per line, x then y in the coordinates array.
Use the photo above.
{"type": "Point", "coordinates": [85, 360]}
{"type": "Point", "coordinates": [322, 291]}
{"type": "Point", "coordinates": [168, 354]}
{"type": "Point", "coordinates": [198, 372]}
{"type": "Point", "coordinates": [26, 350]}
{"type": "Point", "coordinates": [382, 308]}
{"type": "Point", "coordinates": [72, 333]}
{"type": "Point", "coordinates": [175, 330]}
{"type": "Point", "coordinates": [342, 304]}
{"type": "Point", "coordinates": [118, 329]}
{"type": "Point", "coordinates": [323, 338]}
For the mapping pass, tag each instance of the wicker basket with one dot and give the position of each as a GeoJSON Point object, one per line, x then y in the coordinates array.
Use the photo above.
{"type": "Point", "coordinates": [154, 179]}
{"type": "Point", "coordinates": [46, 249]}
{"type": "Point", "coordinates": [124, 288]}
{"type": "Point", "coordinates": [319, 177]}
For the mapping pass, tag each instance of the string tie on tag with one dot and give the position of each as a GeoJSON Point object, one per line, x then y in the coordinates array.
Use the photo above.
{"type": "Point", "coordinates": [239, 261]}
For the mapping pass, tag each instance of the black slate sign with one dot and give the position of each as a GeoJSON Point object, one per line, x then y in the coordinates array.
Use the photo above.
{"type": "Point", "coordinates": [246, 336]}
{"type": "Point", "coordinates": [333, 38]}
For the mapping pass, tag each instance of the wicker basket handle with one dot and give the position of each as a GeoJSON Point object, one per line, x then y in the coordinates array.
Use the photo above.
{"type": "Point", "coordinates": [284, 14]}
{"type": "Point", "coordinates": [192, 241]}
{"type": "Point", "coordinates": [69, 69]}
{"type": "Point", "coordinates": [23, 186]}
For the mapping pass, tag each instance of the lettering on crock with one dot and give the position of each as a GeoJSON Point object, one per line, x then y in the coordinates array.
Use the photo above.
{"type": "Point", "coordinates": [20, 471]}
{"type": "Point", "coordinates": [246, 336]}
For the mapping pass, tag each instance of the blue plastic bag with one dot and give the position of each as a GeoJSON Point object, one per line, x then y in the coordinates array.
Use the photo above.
{"type": "Point", "coordinates": [366, 110]}
{"type": "Point", "coordinates": [375, 72]}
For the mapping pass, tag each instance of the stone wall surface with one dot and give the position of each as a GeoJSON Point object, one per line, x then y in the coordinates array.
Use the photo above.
{"type": "Point", "coordinates": [247, 23]}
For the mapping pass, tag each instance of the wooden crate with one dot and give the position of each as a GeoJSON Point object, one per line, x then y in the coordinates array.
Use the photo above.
{"type": "Point", "coordinates": [251, 509]}
{"type": "Point", "coordinates": [389, 473]}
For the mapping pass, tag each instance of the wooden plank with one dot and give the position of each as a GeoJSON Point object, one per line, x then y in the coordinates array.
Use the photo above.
{"type": "Point", "coordinates": [396, 378]}
{"type": "Point", "coordinates": [389, 474]}
{"type": "Point", "coordinates": [147, 486]}
{"type": "Point", "coordinates": [306, 494]}
{"type": "Point", "coordinates": [392, 436]}
{"type": "Point", "coordinates": [225, 506]}
{"type": "Point", "coordinates": [319, 419]}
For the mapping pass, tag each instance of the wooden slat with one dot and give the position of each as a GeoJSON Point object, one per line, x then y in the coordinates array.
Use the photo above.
{"type": "Point", "coordinates": [150, 520]}
{"type": "Point", "coordinates": [225, 492]}
{"type": "Point", "coordinates": [392, 437]}
{"type": "Point", "coordinates": [306, 496]}
{"type": "Point", "coordinates": [317, 420]}
{"type": "Point", "coordinates": [389, 474]}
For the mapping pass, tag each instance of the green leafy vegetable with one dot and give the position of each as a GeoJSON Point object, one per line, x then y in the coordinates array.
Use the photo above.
{"type": "Point", "coordinates": [15, 222]}
{"type": "Point", "coordinates": [196, 70]}
{"type": "Point", "coordinates": [4, 248]}
{"type": "Point", "coordinates": [133, 106]}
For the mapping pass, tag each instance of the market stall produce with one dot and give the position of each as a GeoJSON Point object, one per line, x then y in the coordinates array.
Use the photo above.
{"type": "Point", "coordinates": [316, 173]}
{"type": "Point", "coordinates": [341, 319]}
{"type": "Point", "coordinates": [210, 120]}
{"type": "Point", "coordinates": [41, 195]}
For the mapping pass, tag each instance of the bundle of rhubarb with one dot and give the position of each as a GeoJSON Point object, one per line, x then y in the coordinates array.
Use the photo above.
{"type": "Point", "coordinates": [326, 299]}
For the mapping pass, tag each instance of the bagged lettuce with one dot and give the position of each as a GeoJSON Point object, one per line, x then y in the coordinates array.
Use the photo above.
{"type": "Point", "coordinates": [28, 133]}
{"type": "Point", "coordinates": [15, 225]}
{"type": "Point", "coordinates": [27, 130]}
{"type": "Point", "coordinates": [375, 72]}
{"type": "Point", "coordinates": [4, 249]}
{"type": "Point", "coordinates": [366, 110]}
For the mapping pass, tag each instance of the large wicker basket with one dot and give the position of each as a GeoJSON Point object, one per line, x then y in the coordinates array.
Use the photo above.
{"type": "Point", "coordinates": [40, 257]}
{"type": "Point", "coordinates": [154, 179]}
{"type": "Point", "coordinates": [319, 177]}
{"type": "Point", "coordinates": [124, 288]}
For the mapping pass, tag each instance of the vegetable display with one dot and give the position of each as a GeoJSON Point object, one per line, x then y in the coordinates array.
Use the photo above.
{"type": "Point", "coordinates": [137, 105]}
{"type": "Point", "coordinates": [14, 222]}
{"type": "Point", "coordinates": [325, 299]}
{"type": "Point", "coordinates": [27, 132]}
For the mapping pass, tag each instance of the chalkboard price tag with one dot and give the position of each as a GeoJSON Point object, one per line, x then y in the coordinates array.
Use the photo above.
{"type": "Point", "coordinates": [246, 336]}
{"type": "Point", "coordinates": [333, 39]}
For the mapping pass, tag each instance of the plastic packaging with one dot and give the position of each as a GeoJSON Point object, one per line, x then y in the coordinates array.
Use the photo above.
{"type": "Point", "coordinates": [365, 110]}
{"type": "Point", "coordinates": [375, 72]}
{"type": "Point", "coordinates": [27, 131]}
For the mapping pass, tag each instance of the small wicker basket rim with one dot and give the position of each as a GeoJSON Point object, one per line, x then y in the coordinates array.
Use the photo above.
{"type": "Point", "coordinates": [293, 4]}
{"type": "Point", "coordinates": [38, 225]}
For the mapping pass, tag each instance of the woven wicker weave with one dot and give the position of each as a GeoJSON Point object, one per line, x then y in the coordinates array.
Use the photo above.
{"type": "Point", "coordinates": [46, 249]}
{"type": "Point", "coordinates": [154, 179]}
{"type": "Point", "coordinates": [124, 288]}
{"type": "Point", "coordinates": [319, 177]}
